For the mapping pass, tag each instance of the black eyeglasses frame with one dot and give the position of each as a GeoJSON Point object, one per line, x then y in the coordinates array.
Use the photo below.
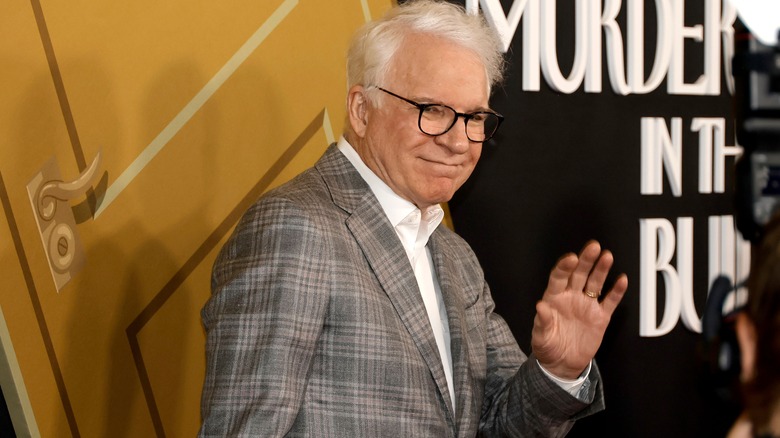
{"type": "Point", "coordinates": [466, 116]}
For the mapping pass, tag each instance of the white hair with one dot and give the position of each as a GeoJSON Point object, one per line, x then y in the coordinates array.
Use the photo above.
{"type": "Point", "coordinates": [374, 45]}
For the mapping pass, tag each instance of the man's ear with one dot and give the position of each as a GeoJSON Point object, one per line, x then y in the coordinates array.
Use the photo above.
{"type": "Point", "coordinates": [357, 109]}
{"type": "Point", "coordinates": [746, 336]}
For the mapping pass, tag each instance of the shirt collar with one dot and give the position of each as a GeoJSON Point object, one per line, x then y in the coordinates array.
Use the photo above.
{"type": "Point", "coordinates": [395, 207]}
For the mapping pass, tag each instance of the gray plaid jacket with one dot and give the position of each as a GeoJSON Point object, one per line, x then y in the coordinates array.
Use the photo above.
{"type": "Point", "coordinates": [316, 328]}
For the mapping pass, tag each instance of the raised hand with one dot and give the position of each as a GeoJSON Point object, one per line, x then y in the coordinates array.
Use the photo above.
{"type": "Point", "coordinates": [570, 320]}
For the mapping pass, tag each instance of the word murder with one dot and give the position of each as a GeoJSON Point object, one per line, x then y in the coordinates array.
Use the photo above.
{"type": "Point", "coordinates": [596, 23]}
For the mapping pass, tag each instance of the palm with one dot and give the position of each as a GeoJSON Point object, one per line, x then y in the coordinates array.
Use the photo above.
{"type": "Point", "coordinates": [570, 325]}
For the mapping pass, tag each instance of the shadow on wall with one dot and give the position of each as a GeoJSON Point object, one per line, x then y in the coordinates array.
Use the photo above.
{"type": "Point", "coordinates": [157, 334]}
{"type": "Point", "coordinates": [125, 267]}
{"type": "Point", "coordinates": [172, 316]}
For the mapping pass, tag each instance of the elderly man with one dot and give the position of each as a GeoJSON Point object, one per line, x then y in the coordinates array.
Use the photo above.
{"type": "Point", "coordinates": [340, 307]}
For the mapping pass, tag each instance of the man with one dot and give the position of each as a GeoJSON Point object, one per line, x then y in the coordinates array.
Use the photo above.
{"type": "Point", "coordinates": [340, 307]}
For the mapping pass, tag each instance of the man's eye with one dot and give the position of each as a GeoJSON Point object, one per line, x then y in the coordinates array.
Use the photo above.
{"type": "Point", "coordinates": [435, 111]}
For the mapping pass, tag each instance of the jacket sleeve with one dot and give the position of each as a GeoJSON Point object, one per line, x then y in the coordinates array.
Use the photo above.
{"type": "Point", "coordinates": [263, 321]}
{"type": "Point", "coordinates": [520, 401]}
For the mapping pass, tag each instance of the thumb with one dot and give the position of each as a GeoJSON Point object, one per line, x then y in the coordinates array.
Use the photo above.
{"type": "Point", "coordinates": [544, 315]}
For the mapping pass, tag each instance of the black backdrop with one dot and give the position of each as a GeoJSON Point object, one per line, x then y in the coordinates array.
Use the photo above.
{"type": "Point", "coordinates": [565, 168]}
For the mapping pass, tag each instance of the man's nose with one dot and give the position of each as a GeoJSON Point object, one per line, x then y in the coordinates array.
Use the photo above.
{"type": "Point", "coordinates": [455, 139]}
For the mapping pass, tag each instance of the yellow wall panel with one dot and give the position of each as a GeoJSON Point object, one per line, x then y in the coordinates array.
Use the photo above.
{"type": "Point", "coordinates": [195, 109]}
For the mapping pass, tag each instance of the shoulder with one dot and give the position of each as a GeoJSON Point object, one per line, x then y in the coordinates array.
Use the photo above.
{"type": "Point", "coordinates": [305, 197]}
{"type": "Point", "coordinates": [290, 218]}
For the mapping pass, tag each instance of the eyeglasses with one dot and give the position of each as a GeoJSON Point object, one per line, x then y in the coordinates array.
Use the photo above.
{"type": "Point", "coordinates": [436, 119]}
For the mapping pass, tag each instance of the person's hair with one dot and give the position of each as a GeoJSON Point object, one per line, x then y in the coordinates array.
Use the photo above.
{"type": "Point", "coordinates": [762, 393]}
{"type": "Point", "coordinates": [374, 45]}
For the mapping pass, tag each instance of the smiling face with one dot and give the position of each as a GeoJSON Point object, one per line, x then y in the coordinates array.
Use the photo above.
{"type": "Point", "coordinates": [423, 169]}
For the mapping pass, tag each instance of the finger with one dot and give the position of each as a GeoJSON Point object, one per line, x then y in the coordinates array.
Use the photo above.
{"type": "Point", "coordinates": [560, 274]}
{"type": "Point", "coordinates": [599, 273]}
{"type": "Point", "coordinates": [588, 257]}
{"type": "Point", "coordinates": [611, 301]}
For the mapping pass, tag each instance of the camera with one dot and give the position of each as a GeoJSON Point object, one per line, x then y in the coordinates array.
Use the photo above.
{"type": "Point", "coordinates": [756, 71]}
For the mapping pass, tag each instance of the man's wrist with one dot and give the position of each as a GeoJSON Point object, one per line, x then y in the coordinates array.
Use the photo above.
{"type": "Point", "coordinates": [573, 387]}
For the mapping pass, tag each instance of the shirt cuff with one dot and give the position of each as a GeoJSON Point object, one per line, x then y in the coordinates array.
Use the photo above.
{"type": "Point", "coordinates": [573, 387]}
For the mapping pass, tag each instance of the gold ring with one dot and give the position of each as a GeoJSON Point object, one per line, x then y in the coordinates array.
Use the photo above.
{"type": "Point", "coordinates": [591, 293]}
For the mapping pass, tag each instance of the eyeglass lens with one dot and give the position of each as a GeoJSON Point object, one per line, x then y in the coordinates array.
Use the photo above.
{"type": "Point", "coordinates": [438, 119]}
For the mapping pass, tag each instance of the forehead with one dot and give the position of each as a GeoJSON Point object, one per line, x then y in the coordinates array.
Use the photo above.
{"type": "Point", "coordinates": [433, 67]}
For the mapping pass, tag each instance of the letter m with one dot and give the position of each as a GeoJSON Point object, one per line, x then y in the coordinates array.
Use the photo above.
{"type": "Point", "coordinates": [504, 25]}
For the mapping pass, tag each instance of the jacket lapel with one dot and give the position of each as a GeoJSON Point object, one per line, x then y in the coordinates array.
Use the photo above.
{"type": "Point", "coordinates": [383, 250]}
{"type": "Point", "coordinates": [451, 288]}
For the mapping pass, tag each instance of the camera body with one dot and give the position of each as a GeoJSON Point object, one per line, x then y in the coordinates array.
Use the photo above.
{"type": "Point", "coordinates": [756, 70]}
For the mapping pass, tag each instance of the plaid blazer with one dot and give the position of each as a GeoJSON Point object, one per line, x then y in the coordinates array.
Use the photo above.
{"type": "Point", "coordinates": [316, 328]}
